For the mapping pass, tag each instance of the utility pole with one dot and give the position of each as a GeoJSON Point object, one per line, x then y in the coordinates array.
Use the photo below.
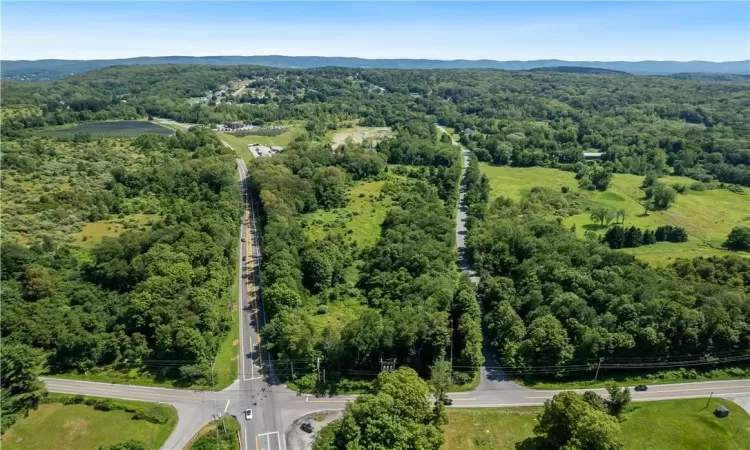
{"type": "Point", "coordinates": [317, 369]}
{"type": "Point", "coordinates": [291, 364]}
{"type": "Point", "coordinates": [596, 375]}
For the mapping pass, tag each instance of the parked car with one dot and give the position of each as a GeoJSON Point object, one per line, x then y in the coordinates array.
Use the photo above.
{"type": "Point", "coordinates": [306, 427]}
{"type": "Point", "coordinates": [248, 414]}
{"type": "Point", "coordinates": [446, 402]}
{"type": "Point", "coordinates": [641, 388]}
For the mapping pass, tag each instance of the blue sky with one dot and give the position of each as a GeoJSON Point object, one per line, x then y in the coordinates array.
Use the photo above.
{"type": "Point", "coordinates": [604, 31]}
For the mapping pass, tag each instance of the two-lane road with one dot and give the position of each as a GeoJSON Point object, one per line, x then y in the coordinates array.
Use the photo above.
{"type": "Point", "coordinates": [275, 407]}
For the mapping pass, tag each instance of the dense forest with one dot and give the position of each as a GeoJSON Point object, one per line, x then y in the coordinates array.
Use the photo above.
{"type": "Point", "coordinates": [408, 282]}
{"type": "Point", "coordinates": [157, 294]}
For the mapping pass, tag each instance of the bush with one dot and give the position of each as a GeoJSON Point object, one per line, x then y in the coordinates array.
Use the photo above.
{"type": "Point", "coordinates": [738, 239]}
{"type": "Point", "coordinates": [462, 377]}
{"type": "Point", "coordinates": [564, 189]}
{"type": "Point", "coordinates": [680, 188]}
{"type": "Point", "coordinates": [323, 309]}
{"type": "Point", "coordinates": [74, 400]}
{"type": "Point", "coordinates": [103, 405]}
{"type": "Point", "coordinates": [154, 414]}
{"type": "Point", "coordinates": [698, 186]}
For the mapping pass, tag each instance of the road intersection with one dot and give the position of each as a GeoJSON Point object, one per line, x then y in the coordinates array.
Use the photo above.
{"type": "Point", "coordinates": [275, 407]}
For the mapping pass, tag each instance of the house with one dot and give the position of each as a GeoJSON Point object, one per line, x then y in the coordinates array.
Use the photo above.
{"type": "Point", "coordinates": [592, 155]}
{"type": "Point", "coordinates": [469, 131]}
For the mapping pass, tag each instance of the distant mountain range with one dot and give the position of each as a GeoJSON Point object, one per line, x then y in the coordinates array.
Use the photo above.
{"type": "Point", "coordinates": [52, 69]}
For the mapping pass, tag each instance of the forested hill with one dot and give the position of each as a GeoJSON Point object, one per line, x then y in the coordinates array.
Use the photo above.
{"type": "Point", "coordinates": [52, 69]}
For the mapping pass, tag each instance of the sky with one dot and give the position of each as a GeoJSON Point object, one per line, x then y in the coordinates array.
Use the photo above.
{"type": "Point", "coordinates": [601, 31]}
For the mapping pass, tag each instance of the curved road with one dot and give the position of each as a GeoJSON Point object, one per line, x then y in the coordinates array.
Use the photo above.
{"type": "Point", "coordinates": [275, 407]}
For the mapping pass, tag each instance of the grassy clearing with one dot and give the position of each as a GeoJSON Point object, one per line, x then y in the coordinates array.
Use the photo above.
{"type": "Point", "coordinates": [485, 428]}
{"type": "Point", "coordinates": [360, 134]}
{"type": "Point", "coordinates": [360, 219]}
{"type": "Point", "coordinates": [81, 427]}
{"type": "Point", "coordinates": [681, 424]}
{"type": "Point", "coordinates": [662, 425]}
{"type": "Point", "coordinates": [240, 143]}
{"type": "Point", "coordinates": [225, 365]}
{"type": "Point", "coordinates": [114, 129]}
{"type": "Point", "coordinates": [708, 216]}
{"type": "Point", "coordinates": [93, 232]}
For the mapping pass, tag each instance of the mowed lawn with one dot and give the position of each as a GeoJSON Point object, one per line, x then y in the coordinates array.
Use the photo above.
{"type": "Point", "coordinates": [660, 425]}
{"type": "Point", "coordinates": [360, 219]}
{"type": "Point", "coordinates": [81, 427]}
{"type": "Point", "coordinates": [708, 216]}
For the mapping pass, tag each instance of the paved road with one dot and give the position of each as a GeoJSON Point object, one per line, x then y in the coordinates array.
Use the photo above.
{"type": "Point", "coordinates": [275, 407]}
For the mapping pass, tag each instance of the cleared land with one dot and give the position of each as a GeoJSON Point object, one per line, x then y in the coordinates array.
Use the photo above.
{"type": "Point", "coordinates": [359, 135]}
{"type": "Point", "coordinates": [93, 232]}
{"type": "Point", "coordinates": [240, 143]}
{"type": "Point", "coordinates": [81, 427]}
{"type": "Point", "coordinates": [662, 425]}
{"type": "Point", "coordinates": [708, 216]}
{"type": "Point", "coordinates": [119, 129]}
{"type": "Point", "coordinates": [360, 219]}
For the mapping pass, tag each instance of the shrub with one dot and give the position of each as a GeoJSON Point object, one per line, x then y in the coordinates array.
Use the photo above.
{"type": "Point", "coordinates": [564, 189]}
{"type": "Point", "coordinates": [461, 377]}
{"type": "Point", "coordinates": [738, 239]}
{"type": "Point", "coordinates": [680, 188]}
{"type": "Point", "coordinates": [154, 414]}
{"type": "Point", "coordinates": [103, 405]}
{"type": "Point", "coordinates": [74, 400]}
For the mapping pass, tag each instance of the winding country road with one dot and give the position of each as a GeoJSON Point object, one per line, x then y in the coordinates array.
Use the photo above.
{"type": "Point", "coordinates": [275, 407]}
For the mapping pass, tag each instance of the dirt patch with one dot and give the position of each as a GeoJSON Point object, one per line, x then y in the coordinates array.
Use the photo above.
{"type": "Point", "coordinates": [359, 134]}
{"type": "Point", "coordinates": [235, 342]}
{"type": "Point", "coordinates": [297, 439]}
{"type": "Point", "coordinates": [76, 427]}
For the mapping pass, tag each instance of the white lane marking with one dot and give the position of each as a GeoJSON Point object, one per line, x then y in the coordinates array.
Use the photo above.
{"type": "Point", "coordinates": [226, 407]}
{"type": "Point", "coordinates": [245, 433]}
{"type": "Point", "coordinates": [268, 439]}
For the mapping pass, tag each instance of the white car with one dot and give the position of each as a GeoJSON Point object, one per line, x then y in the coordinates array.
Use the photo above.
{"type": "Point", "coordinates": [248, 414]}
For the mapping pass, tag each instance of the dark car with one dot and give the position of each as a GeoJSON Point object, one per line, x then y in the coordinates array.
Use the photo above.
{"type": "Point", "coordinates": [446, 402]}
{"type": "Point", "coordinates": [306, 427]}
{"type": "Point", "coordinates": [641, 388]}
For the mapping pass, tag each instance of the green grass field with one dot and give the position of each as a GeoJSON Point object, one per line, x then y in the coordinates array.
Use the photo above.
{"type": "Point", "coordinates": [659, 425]}
{"type": "Point", "coordinates": [81, 427]}
{"type": "Point", "coordinates": [708, 216]}
{"type": "Point", "coordinates": [360, 219]}
{"type": "Point", "coordinates": [93, 232]}
{"type": "Point", "coordinates": [115, 128]}
{"type": "Point", "coordinates": [225, 366]}
{"type": "Point", "coordinates": [240, 143]}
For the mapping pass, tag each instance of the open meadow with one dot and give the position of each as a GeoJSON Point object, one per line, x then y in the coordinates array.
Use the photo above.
{"type": "Point", "coordinates": [83, 427]}
{"type": "Point", "coordinates": [708, 216]}
{"type": "Point", "coordinates": [658, 425]}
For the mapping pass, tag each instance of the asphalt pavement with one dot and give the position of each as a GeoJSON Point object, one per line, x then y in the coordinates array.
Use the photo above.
{"type": "Point", "coordinates": [275, 407]}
